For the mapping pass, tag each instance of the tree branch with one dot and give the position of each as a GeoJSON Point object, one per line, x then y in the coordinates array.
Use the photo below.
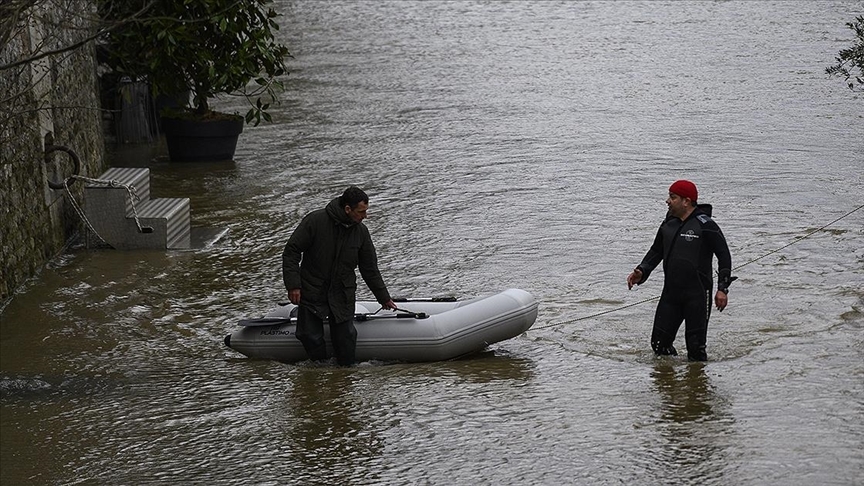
{"type": "Point", "coordinates": [75, 45]}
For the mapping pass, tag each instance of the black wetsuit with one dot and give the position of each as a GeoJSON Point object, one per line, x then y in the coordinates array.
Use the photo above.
{"type": "Point", "coordinates": [686, 249]}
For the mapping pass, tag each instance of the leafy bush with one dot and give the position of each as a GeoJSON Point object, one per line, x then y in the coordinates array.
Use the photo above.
{"type": "Point", "coordinates": [208, 47]}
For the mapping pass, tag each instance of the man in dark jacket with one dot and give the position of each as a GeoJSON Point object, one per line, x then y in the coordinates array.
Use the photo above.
{"type": "Point", "coordinates": [686, 243]}
{"type": "Point", "coordinates": [332, 242]}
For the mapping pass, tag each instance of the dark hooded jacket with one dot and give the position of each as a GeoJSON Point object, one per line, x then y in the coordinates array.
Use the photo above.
{"type": "Point", "coordinates": [686, 249]}
{"type": "Point", "coordinates": [331, 246]}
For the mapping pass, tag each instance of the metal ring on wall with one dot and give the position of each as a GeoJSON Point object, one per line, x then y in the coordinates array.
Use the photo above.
{"type": "Point", "coordinates": [75, 160]}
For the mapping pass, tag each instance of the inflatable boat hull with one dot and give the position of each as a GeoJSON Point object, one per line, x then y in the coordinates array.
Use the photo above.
{"type": "Point", "coordinates": [449, 330]}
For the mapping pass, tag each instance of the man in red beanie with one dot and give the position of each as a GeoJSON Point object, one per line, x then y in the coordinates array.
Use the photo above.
{"type": "Point", "coordinates": [686, 243]}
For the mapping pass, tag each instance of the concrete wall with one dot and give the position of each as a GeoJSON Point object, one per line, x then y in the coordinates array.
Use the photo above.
{"type": "Point", "coordinates": [53, 98]}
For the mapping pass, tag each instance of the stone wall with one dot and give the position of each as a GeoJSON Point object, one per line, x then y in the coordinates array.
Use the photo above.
{"type": "Point", "coordinates": [54, 99]}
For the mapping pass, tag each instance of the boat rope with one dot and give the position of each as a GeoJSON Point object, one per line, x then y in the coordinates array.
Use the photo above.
{"type": "Point", "coordinates": [130, 189]}
{"type": "Point", "coordinates": [811, 233]}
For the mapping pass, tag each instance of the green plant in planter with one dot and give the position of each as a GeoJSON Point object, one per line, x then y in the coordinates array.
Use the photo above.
{"type": "Point", "coordinates": [208, 47]}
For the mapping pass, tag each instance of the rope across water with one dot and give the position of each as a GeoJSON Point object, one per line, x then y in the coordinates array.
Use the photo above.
{"type": "Point", "coordinates": [811, 233]}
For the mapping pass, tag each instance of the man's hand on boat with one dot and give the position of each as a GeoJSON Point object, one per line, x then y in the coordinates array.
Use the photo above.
{"type": "Point", "coordinates": [294, 296]}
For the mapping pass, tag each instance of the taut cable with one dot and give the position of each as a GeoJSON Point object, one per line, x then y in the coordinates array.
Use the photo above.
{"type": "Point", "coordinates": [736, 268]}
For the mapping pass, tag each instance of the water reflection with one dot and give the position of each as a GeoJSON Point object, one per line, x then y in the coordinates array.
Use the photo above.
{"type": "Point", "coordinates": [484, 367]}
{"type": "Point", "coordinates": [338, 423]}
{"type": "Point", "coordinates": [327, 428]}
{"type": "Point", "coordinates": [692, 419]}
{"type": "Point", "coordinates": [687, 394]}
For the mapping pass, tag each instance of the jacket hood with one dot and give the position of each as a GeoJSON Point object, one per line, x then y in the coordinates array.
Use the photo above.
{"type": "Point", "coordinates": [337, 213]}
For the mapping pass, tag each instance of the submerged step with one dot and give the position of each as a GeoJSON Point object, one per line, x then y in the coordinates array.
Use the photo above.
{"type": "Point", "coordinates": [170, 220]}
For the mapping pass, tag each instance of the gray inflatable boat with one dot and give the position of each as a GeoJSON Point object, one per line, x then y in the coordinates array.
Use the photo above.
{"type": "Point", "coordinates": [423, 330]}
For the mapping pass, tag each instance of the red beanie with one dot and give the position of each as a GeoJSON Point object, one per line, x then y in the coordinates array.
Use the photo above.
{"type": "Point", "coordinates": [685, 189]}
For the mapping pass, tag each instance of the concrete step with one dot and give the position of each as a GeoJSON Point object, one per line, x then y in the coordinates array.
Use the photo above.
{"type": "Point", "coordinates": [138, 177]}
{"type": "Point", "coordinates": [111, 212]}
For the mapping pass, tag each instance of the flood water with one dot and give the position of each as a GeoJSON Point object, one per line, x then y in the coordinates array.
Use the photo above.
{"type": "Point", "coordinates": [503, 144]}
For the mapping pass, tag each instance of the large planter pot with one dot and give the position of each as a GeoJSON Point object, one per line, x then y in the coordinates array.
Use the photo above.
{"type": "Point", "coordinates": [201, 140]}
